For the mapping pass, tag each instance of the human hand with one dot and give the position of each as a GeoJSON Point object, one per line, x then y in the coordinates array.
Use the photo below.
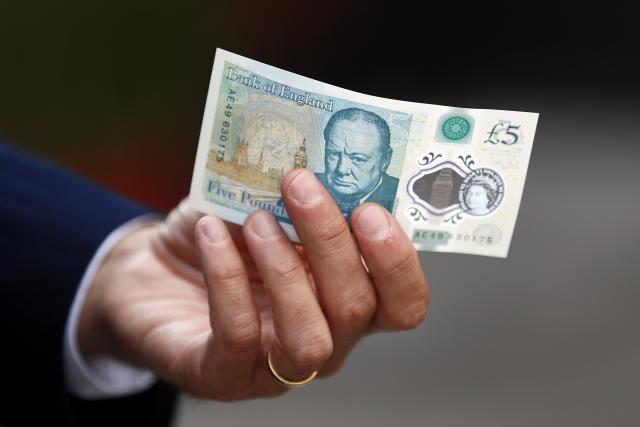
{"type": "Point", "coordinates": [202, 302]}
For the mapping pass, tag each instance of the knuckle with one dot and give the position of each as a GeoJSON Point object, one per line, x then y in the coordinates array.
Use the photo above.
{"type": "Point", "coordinates": [413, 317]}
{"type": "Point", "coordinates": [403, 266]}
{"type": "Point", "coordinates": [289, 271]}
{"type": "Point", "coordinates": [228, 273]}
{"type": "Point", "coordinates": [242, 335]}
{"type": "Point", "coordinates": [360, 309]}
{"type": "Point", "coordinates": [333, 234]}
{"type": "Point", "coordinates": [409, 318]}
{"type": "Point", "coordinates": [314, 353]}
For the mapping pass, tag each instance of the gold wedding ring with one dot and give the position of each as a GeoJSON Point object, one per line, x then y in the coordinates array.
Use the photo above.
{"type": "Point", "coordinates": [285, 382]}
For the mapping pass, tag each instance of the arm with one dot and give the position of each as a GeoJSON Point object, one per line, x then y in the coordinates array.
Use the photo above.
{"type": "Point", "coordinates": [51, 224]}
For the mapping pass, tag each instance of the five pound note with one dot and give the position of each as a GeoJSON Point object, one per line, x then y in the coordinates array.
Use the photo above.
{"type": "Point", "coordinates": [452, 177]}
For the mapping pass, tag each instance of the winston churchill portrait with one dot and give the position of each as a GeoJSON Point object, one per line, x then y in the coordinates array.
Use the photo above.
{"type": "Point", "coordinates": [356, 157]}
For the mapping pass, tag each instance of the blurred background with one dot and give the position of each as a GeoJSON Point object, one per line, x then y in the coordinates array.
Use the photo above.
{"type": "Point", "coordinates": [116, 91]}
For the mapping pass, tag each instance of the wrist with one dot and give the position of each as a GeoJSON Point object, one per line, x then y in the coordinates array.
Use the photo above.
{"type": "Point", "coordinates": [95, 334]}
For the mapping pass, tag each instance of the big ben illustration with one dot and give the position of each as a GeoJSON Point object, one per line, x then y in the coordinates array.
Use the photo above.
{"type": "Point", "coordinates": [300, 161]}
{"type": "Point", "coordinates": [442, 189]}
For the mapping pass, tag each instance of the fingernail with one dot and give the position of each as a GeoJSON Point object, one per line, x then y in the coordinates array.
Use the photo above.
{"type": "Point", "coordinates": [305, 187]}
{"type": "Point", "coordinates": [373, 222]}
{"type": "Point", "coordinates": [214, 230]}
{"type": "Point", "coordinates": [264, 225]}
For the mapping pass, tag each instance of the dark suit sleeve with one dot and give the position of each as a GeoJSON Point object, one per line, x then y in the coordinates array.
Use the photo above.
{"type": "Point", "coordinates": [51, 224]}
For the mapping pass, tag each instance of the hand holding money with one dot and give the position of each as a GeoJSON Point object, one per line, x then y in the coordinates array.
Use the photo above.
{"type": "Point", "coordinates": [451, 177]}
{"type": "Point", "coordinates": [203, 302]}
{"type": "Point", "coordinates": [359, 181]}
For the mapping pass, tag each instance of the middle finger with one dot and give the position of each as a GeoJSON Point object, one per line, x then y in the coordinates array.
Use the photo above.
{"type": "Point", "coordinates": [344, 287]}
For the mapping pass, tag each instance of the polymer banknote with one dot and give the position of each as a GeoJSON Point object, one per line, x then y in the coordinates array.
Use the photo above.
{"type": "Point", "coordinates": [452, 177]}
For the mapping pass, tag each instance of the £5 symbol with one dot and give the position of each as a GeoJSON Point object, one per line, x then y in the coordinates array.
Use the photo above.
{"type": "Point", "coordinates": [504, 132]}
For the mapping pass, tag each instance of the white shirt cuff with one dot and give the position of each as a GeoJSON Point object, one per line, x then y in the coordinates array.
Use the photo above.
{"type": "Point", "coordinates": [101, 377]}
